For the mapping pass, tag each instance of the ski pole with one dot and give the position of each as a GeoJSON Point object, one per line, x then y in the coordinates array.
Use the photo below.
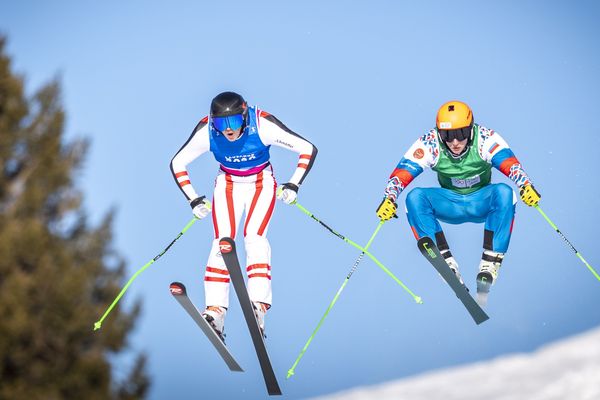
{"type": "Point", "coordinates": [98, 324]}
{"type": "Point", "coordinates": [363, 250]}
{"type": "Point", "coordinates": [291, 370]}
{"type": "Point", "coordinates": [567, 241]}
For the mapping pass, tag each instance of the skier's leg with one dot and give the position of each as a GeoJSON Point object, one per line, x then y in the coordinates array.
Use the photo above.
{"type": "Point", "coordinates": [497, 203]}
{"type": "Point", "coordinates": [259, 208]}
{"type": "Point", "coordinates": [258, 261]}
{"type": "Point", "coordinates": [423, 206]}
{"type": "Point", "coordinates": [419, 211]}
{"type": "Point", "coordinates": [227, 211]}
{"type": "Point", "coordinates": [499, 221]}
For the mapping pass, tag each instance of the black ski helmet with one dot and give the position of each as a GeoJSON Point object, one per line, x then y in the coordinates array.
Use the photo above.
{"type": "Point", "coordinates": [228, 103]}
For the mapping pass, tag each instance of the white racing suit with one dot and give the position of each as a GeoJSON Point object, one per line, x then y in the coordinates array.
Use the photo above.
{"type": "Point", "coordinates": [244, 185]}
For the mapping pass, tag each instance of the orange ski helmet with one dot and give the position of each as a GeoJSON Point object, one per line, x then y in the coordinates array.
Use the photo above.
{"type": "Point", "coordinates": [454, 115]}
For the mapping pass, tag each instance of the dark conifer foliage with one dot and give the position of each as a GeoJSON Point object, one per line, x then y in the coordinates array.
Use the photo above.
{"type": "Point", "coordinates": [57, 273]}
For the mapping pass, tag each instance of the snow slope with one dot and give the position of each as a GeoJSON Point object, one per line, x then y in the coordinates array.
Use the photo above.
{"type": "Point", "coordinates": [564, 370]}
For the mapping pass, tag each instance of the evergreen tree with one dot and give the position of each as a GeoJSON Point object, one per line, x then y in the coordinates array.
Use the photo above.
{"type": "Point", "coordinates": [57, 273]}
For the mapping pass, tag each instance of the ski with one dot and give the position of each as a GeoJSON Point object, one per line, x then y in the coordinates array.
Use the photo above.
{"type": "Point", "coordinates": [227, 247]}
{"type": "Point", "coordinates": [432, 254]}
{"type": "Point", "coordinates": [180, 294]}
{"type": "Point", "coordinates": [484, 280]}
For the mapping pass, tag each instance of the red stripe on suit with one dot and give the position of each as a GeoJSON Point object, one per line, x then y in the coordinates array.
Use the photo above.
{"type": "Point", "coordinates": [507, 164]}
{"type": "Point", "coordinates": [211, 279]}
{"type": "Point", "coordinates": [217, 271]}
{"type": "Point", "coordinates": [258, 190]}
{"type": "Point", "coordinates": [214, 218]}
{"type": "Point", "coordinates": [257, 266]}
{"type": "Point", "coordinates": [267, 218]}
{"type": "Point", "coordinates": [404, 176]}
{"type": "Point", "coordinates": [230, 209]}
{"type": "Point", "coordinates": [259, 276]}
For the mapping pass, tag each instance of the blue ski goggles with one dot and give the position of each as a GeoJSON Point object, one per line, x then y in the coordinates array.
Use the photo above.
{"type": "Point", "coordinates": [232, 122]}
{"type": "Point", "coordinates": [460, 134]}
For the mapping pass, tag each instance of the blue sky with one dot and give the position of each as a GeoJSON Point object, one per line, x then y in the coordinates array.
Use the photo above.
{"type": "Point", "coordinates": [361, 80]}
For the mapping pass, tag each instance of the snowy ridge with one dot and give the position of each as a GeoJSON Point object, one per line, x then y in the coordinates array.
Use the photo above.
{"type": "Point", "coordinates": [564, 370]}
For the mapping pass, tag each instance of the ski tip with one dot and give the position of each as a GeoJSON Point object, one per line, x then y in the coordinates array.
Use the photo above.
{"type": "Point", "coordinates": [427, 247]}
{"type": "Point", "coordinates": [177, 288]}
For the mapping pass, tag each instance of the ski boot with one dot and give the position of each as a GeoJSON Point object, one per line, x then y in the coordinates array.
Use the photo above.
{"type": "Point", "coordinates": [489, 267]}
{"type": "Point", "coordinates": [260, 311]}
{"type": "Point", "coordinates": [215, 316]}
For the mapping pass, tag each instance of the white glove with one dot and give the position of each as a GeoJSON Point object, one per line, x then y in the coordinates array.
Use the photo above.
{"type": "Point", "coordinates": [288, 193]}
{"type": "Point", "coordinates": [200, 207]}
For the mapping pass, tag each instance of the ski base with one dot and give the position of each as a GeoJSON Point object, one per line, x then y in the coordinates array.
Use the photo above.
{"type": "Point", "coordinates": [482, 298]}
{"type": "Point", "coordinates": [432, 254]}
{"type": "Point", "coordinates": [228, 251]}
{"type": "Point", "coordinates": [180, 294]}
{"type": "Point", "coordinates": [484, 283]}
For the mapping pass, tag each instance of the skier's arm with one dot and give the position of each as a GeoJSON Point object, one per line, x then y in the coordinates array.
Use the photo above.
{"type": "Point", "coordinates": [496, 151]}
{"type": "Point", "coordinates": [197, 144]}
{"type": "Point", "coordinates": [274, 132]}
{"type": "Point", "coordinates": [422, 154]}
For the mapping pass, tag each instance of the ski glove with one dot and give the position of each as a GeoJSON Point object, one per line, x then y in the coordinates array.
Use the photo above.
{"type": "Point", "coordinates": [200, 207]}
{"type": "Point", "coordinates": [529, 195]}
{"type": "Point", "coordinates": [288, 193]}
{"type": "Point", "coordinates": [386, 210]}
